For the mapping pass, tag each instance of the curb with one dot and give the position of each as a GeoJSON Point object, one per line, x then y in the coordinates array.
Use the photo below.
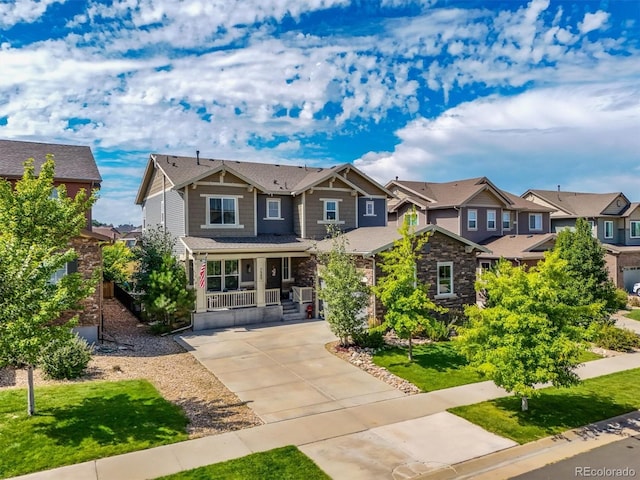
{"type": "Point", "coordinates": [531, 456]}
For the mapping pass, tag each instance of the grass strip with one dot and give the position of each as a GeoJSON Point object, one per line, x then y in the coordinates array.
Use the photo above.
{"type": "Point", "coordinates": [79, 422]}
{"type": "Point", "coordinates": [286, 463]}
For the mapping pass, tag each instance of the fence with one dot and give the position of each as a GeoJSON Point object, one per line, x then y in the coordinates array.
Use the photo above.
{"type": "Point", "coordinates": [128, 301]}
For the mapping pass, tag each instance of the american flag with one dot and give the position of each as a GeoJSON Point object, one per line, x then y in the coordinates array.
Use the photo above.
{"type": "Point", "coordinates": [203, 274]}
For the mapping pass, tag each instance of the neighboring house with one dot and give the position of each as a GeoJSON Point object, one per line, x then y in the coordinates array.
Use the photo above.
{"type": "Point", "coordinates": [615, 221]}
{"type": "Point", "coordinates": [520, 249]}
{"type": "Point", "coordinates": [448, 263]}
{"type": "Point", "coordinates": [131, 238]}
{"type": "Point", "coordinates": [245, 229]}
{"type": "Point", "coordinates": [474, 209]}
{"type": "Point", "coordinates": [76, 169]}
{"type": "Point", "coordinates": [111, 233]}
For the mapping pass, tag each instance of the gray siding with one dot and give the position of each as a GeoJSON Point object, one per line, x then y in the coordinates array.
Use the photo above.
{"type": "Point", "coordinates": [446, 218]}
{"type": "Point", "coordinates": [523, 224]}
{"type": "Point", "coordinates": [314, 212]}
{"type": "Point", "coordinates": [198, 212]}
{"type": "Point", "coordinates": [275, 226]}
{"type": "Point", "coordinates": [617, 229]}
{"type": "Point", "coordinates": [616, 207]}
{"type": "Point", "coordinates": [557, 224]}
{"type": "Point", "coordinates": [379, 209]}
{"type": "Point", "coordinates": [485, 198]}
{"type": "Point", "coordinates": [152, 209]}
{"type": "Point", "coordinates": [174, 217]}
{"type": "Point", "coordinates": [482, 233]}
{"type": "Point", "coordinates": [634, 217]}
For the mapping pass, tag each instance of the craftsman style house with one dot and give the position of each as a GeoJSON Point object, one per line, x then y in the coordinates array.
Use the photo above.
{"type": "Point", "coordinates": [615, 221]}
{"type": "Point", "coordinates": [76, 169]}
{"type": "Point", "coordinates": [245, 229]}
{"type": "Point", "coordinates": [475, 209]}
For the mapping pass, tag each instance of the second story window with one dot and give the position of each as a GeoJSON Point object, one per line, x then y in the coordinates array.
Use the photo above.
{"type": "Point", "coordinates": [491, 219]}
{"type": "Point", "coordinates": [608, 229]}
{"type": "Point", "coordinates": [330, 210]}
{"type": "Point", "coordinates": [472, 219]}
{"type": "Point", "coordinates": [535, 221]}
{"type": "Point", "coordinates": [222, 211]}
{"type": "Point", "coordinates": [273, 209]}
{"type": "Point", "coordinates": [506, 220]}
{"type": "Point", "coordinates": [370, 209]}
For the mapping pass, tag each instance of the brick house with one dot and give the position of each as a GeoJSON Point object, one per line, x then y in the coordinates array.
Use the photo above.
{"type": "Point", "coordinates": [76, 169]}
{"type": "Point", "coordinates": [448, 263]}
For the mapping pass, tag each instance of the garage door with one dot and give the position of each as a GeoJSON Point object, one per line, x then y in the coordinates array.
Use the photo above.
{"type": "Point", "coordinates": [630, 275]}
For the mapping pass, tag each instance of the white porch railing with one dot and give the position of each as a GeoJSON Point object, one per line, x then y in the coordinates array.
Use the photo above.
{"type": "Point", "coordinates": [272, 296]}
{"type": "Point", "coordinates": [302, 294]}
{"type": "Point", "coordinates": [239, 299]}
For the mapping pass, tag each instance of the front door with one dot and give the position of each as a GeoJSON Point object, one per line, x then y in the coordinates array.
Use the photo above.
{"type": "Point", "coordinates": [274, 273]}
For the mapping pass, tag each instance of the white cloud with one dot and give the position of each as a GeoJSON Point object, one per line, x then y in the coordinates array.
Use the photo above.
{"type": "Point", "coordinates": [593, 21]}
{"type": "Point", "coordinates": [578, 131]}
{"type": "Point", "coordinates": [23, 11]}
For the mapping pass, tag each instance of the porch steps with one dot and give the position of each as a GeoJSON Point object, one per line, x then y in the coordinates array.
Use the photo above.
{"type": "Point", "coordinates": [290, 311]}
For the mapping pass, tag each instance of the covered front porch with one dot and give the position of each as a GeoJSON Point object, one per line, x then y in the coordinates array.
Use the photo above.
{"type": "Point", "coordinates": [237, 286]}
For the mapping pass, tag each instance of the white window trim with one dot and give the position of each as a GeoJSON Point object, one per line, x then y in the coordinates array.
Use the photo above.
{"type": "Point", "coordinates": [608, 222]}
{"type": "Point", "coordinates": [223, 276]}
{"type": "Point", "coordinates": [289, 277]}
{"type": "Point", "coordinates": [631, 235]}
{"type": "Point", "coordinates": [373, 208]}
{"type": "Point", "coordinates": [535, 228]}
{"type": "Point", "coordinates": [208, 225]}
{"type": "Point", "coordinates": [452, 293]}
{"type": "Point", "coordinates": [324, 220]}
{"type": "Point", "coordinates": [508, 215]}
{"type": "Point", "coordinates": [278, 202]}
{"type": "Point", "coordinates": [475, 219]}
{"type": "Point", "coordinates": [409, 215]}
{"type": "Point", "coordinates": [495, 220]}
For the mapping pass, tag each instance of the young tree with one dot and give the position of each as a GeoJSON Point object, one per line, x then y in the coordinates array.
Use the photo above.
{"type": "Point", "coordinates": [408, 306]}
{"type": "Point", "coordinates": [343, 292]}
{"type": "Point", "coordinates": [37, 221]}
{"type": "Point", "coordinates": [589, 280]}
{"type": "Point", "coordinates": [167, 294]}
{"type": "Point", "coordinates": [115, 262]}
{"type": "Point", "coordinates": [527, 334]}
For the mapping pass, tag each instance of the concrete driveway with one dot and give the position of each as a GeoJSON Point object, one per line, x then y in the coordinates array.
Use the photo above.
{"type": "Point", "coordinates": [284, 371]}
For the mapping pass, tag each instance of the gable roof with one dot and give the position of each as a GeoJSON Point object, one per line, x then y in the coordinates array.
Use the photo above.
{"type": "Point", "coordinates": [369, 241]}
{"type": "Point", "coordinates": [267, 177]}
{"type": "Point", "coordinates": [520, 247]}
{"type": "Point", "coordinates": [73, 162]}
{"type": "Point", "coordinates": [576, 204]}
{"type": "Point", "coordinates": [451, 194]}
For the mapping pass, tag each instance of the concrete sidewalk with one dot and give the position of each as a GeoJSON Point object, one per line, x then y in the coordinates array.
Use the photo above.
{"type": "Point", "coordinates": [415, 434]}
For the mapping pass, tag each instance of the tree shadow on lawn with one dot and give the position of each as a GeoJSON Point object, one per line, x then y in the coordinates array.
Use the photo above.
{"type": "Point", "coordinates": [563, 410]}
{"type": "Point", "coordinates": [435, 356]}
{"type": "Point", "coordinates": [115, 420]}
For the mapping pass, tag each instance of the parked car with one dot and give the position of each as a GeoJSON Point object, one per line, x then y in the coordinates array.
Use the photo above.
{"type": "Point", "coordinates": [636, 289]}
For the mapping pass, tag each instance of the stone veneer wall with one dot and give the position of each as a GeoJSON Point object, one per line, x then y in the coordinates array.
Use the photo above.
{"type": "Point", "coordinates": [89, 261]}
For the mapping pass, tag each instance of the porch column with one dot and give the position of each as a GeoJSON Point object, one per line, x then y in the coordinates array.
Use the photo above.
{"type": "Point", "coordinates": [261, 280]}
{"type": "Point", "coordinates": [201, 299]}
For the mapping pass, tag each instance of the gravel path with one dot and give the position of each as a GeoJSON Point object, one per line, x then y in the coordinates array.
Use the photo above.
{"type": "Point", "coordinates": [130, 352]}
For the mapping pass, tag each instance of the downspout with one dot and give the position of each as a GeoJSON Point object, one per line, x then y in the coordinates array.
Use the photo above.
{"type": "Point", "coordinates": [373, 280]}
{"type": "Point", "coordinates": [164, 204]}
{"type": "Point", "coordinates": [179, 329]}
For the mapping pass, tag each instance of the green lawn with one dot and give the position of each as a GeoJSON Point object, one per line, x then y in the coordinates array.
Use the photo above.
{"type": "Point", "coordinates": [634, 314]}
{"type": "Point", "coordinates": [286, 463]}
{"type": "Point", "coordinates": [436, 365]}
{"type": "Point", "coordinates": [79, 422]}
{"type": "Point", "coordinates": [556, 410]}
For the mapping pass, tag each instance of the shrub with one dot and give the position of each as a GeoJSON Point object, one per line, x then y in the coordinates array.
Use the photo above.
{"type": "Point", "coordinates": [621, 298]}
{"type": "Point", "coordinates": [618, 339]}
{"type": "Point", "coordinates": [372, 338]}
{"type": "Point", "coordinates": [634, 302]}
{"type": "Point", "coordinates": [65, 359]}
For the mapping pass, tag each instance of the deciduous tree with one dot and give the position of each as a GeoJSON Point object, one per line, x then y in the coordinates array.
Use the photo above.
{"type": "Point", "coordinates": [37, 221]}
{"type": "Point", "coordinates": [406, 300]}
{"type": "Point", "coordinates": [527, 334]}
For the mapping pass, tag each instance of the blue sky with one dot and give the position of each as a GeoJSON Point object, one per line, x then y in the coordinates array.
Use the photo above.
{"type": "Point", "coordinates": [530, 94]}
